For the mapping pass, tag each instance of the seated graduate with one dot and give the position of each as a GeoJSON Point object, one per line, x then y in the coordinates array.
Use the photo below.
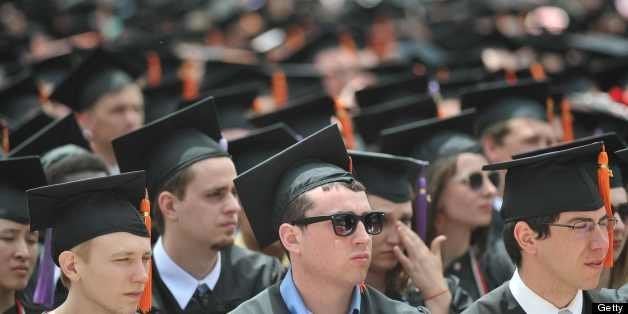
{"type": "Point", "coordinates": [311, 202]}
{"type": "Point", "coordinates": [558, 223]}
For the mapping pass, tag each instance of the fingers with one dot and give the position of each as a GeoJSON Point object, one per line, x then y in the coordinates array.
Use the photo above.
{"type": "Point", "coordinates": [437, 244]}
{"type": "Point", "coordinates": [403, 259]}
{"type": "Point", "coordinates": [410, 240]}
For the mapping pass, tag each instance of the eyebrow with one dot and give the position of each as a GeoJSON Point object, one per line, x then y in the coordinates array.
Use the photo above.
{"type": "Point", "coordinates": [576, 219]}
{"type": "Point", "coordinates": [129, 253]}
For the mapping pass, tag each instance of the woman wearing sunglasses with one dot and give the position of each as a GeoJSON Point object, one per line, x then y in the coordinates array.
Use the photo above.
{"type": "Point", "coordinates": [18, 244]}
{"type": "Point", "coordinates": [461, 198]}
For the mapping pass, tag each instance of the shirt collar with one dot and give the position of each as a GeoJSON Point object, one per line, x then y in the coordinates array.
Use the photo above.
{"type": "Point", "coordinates": [179, 282]}
{"type": "Point", "coordinates": [531, 302]}
{"type": "Point", "coordinates": [294, 302]}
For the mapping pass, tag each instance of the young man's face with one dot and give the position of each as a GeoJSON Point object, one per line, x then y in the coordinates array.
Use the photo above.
{"type": "Point", "coordinates": [112, 271]}
{"type": "Point", "coordinates": [575, 258]}
{"type": "Point", "coordinates": [524, 135]}
{"type": "Point", "coordinates": [18, 254]}
{"type": "Point", "coordinates": [208, 211]}
{"type": "Point", "coordinates": [384, 258]}
{"type": "Point", "coordinates": [114, 114]}
{"type": "Point", "coordinates": [341, 260]}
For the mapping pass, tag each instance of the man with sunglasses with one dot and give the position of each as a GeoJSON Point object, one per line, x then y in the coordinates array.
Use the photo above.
{"type": "Point", "coordinates": [558, 223]}
{"type": "Point", "coordinates": [307, 197]}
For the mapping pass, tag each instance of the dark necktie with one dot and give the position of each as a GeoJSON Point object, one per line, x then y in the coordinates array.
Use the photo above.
{"type": "Point", "coordinates": [204, 301]}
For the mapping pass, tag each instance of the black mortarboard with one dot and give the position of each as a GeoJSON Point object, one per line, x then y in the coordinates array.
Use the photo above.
{"type": "Point", "coordinates": [101, 72]}
{"type": "Point", "coordinates": [499, 102]}
{"type": "Point", "coordinates": [166, 146]}
{"type": "Point", "coordinates": [317, 160]}
{"type": "Point", "coordinates": [551, 183]}
{"type": "Point", "coordinates": [54, 69]}
{"type": "Point", "coordinates": [17, 176]}
{"type": "Point", "coordinates": [303, 79]}
{"type": "Point", "coordinates": [586, 123]}
{"type": "Point", "coordinates": [305, 116]}
{"type": "Point", "coordinates": [390, 89]}
{"type": "Point", "coordinates": [431, 139]}
{"type": "Point", "coordinates": [233, 104]}
{"type": "Point", "coordinates": [388, 176]}
{"type": "Point", "coordinates": [58, 133]}
{"type": "Point", "coordinates": [599, 44]}
{"type": "Point", "coordinates": [611, 142]}
{"type": "Point", "coordinates": [28, 128]}
{"type": "Point", "coordinates": [162, 100]}
{"type": "Point", "coordinates": [622, 155]}
{"type": "Point", "coordinates": [612, 73]}
{"type": "Point", "coordinates": [371, 120]}
{"type": "Point", "coordinates": [20, 101]}
{"type": "Point", "coordinates": [260, 145]}
{"type": "Point", "coordinates": [79, 211]}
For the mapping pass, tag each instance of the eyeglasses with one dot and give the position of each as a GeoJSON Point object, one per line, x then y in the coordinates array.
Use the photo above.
{"type": "Point", "coordinates": [586, 227]}
{"type": "Point", "coordinates": [345, 224]}
{"type": "Point", "coordinates": [622, 210]}
{"type": "Point", "coordinates": [475, 180]}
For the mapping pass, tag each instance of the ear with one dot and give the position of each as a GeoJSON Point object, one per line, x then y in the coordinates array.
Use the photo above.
{"type": "Point", "coordinates": [167, 205]}
{"type": "Point", "coordinates": [526, 238]}
{"type": "Point", "coordinates": [290, 237]}
{"type": "Point", "coordinates": [68, 264]}
{"type": "Point", "coordinates": [490, 148]}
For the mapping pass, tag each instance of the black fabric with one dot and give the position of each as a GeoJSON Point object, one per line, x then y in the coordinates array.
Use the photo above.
{"type": "Point", "coordinates": [16, 176]}
{"type": "Point", "coordinates": [270, 301]}
{"type": "Point", "coordinates": [551, 183]}
{"type": "Point", "coordinates": [58, 133]}
{"type": "Point", "coordinates": [82, 210]}
{"type": "Point", "coordinates": [318, 159]}
{"type": "Point", "coordinates": [260, 145]}
{"type": "Point", "coordinates": [390, 89]}
{"type": "Point", "coordinates": [20, 100]}
{"type": "Point", "coordinates": [28, 128]}
{"type": "Point", "coordinates": [501, 301]}
{"type": "Point", "coordinates": [243, 275]}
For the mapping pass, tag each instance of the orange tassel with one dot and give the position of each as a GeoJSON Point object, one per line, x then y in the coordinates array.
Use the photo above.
{"type": "Point", "coordinates": [146, 299]}
{"type": "Point", "coordinates": [511, 77]}
{"type": "Point", "coordinates": [567, 121]}
{"type": "Point", "coordinates": [604, 187]}
{"type": "Point", "coordinates": [153, 72]}
{"type": "Point", "coordinates": [190, 81]}
{"type": "Point", "coordinates": [537, 72]}
{"type": "Point", "coordinates": [5, 137]}
{"type": "Point", "coordinates": [362, 287]}
{"type": "Point", "coordinates": [549, 109]}
{"type": "Point", "coordinates": [347, 124]}
{"type": "Point", "coordinates": [279, 88]}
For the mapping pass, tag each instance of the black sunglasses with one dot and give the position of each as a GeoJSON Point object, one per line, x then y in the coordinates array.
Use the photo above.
{"type": "Point", "coordinates": [344, 224]}
{"type": "Point", "coordinates": [475, 180]}
{"type": "Point", "coordinates": [622, 210]}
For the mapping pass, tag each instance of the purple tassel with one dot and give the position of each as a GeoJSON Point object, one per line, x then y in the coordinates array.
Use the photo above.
{"type": "Point", "coordinates": [420, 207]}
{"type": "Point", "coordinates": [44, 291]}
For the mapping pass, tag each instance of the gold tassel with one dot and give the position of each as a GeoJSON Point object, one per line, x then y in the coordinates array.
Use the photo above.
{"type": "Point", "coordinates": [347, 124]}
{"type": "Point", "coordinates": [566, 121]}
{"type": "Point", "coordinates": [146, 299]}
{"type": "Point", "coordinates": [279, 88]}
{"type": "Point", "coordinates": [153, 72]}
{"type": "Point", "coordinates": [604, 187]}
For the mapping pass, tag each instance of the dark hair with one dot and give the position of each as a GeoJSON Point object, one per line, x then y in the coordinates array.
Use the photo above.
{"type": "Point", "coordinates": [538, 224]}
{"type": "Point", "coordinates": [498, 132]}
{"type": "Point", "coordinates": [74, 164]}
{"type": "Point", "coordinates": [175, 185]}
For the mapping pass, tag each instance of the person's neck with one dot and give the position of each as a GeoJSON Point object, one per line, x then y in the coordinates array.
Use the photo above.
{"type": "Point", "coordinates": [377, 280]}
{"type": "Point", "coordinates": [196, 259]}
{"type": "Point", "coordinates": [78, 303]}
{"type": "Point", "coordinates": [105, 152]}
{"type": "Point", "coordinates": [458, 241]}
{"type": "Point", "coordinates": [321, 296]}
{"type": "Point", "coordinates": [7, 299]}
{"type": "Point", "coordinates": [544, 284]}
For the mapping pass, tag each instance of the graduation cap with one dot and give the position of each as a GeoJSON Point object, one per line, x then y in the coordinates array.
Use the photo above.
{"type": "Point", "coordinates": [163, 99]}
{"type": "Point", "coordinates": [604, 45]}
{"type": "Point", "coordinates": [305, 116]}
{"type": "Point", "coordinates": [391, 89]}
{"type": "Point", "coordinates": [622, 155]}
{"type": "Point", "coordinates": [101, 72]}
{"type": "Point", "coordinates": [611, 142]}
{"type": "Point", "coordinates": [388, 176]}
{"type": "Point", "coordinates": [371, 120]}
{"type": "Point", "coordinates": [611, 74]}
{"type": "Point", "coordinates": [28, 128]}
{"type": "Point", "coordinates": [302, 79]}
{"type": "Point", "coordinates": [431, 139]}
{"type": "Point", "coordinates": [588, 123]}
{"type": "Point", "coordinates": [18, 175]}
{"type": "Point", "coordinates": [58, 133]}
{"type": "Point", "coordinates": [260, 145]}
{"type": "Point", "coordinates": [316, 160]}
{"type": "Point", "coordinates": [79, 211]}
{"type": "Point", "coordinates": [555, 182]}
{"type": "Point", "coordinates": [166, 146]}
{"type": "Point", "coordinates": [20, 101]}
{"type": "Point", "coordinates": [232, 103]}
{"type": "Point", "coordinates": [54, 69]}
{"type": "Point", "coordinates": [500, 101]}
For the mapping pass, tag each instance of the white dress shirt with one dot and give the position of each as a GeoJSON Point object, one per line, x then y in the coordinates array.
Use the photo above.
{"type": "Point", "coordinates": [531, 302]}
{"type": "Point", "coordinates": [180, 283]}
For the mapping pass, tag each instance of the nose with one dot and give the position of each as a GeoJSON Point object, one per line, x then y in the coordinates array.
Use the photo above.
{"type": "Point", "coordinates": [360, 236]}
{"type": "Point", "coordinates": [232, 205]}
{"type": "Point", "coordinates": [392, 236]}
{"type": "Point", "coordinates": [489, 189]}
{"type": "Point", "coordinates": [140, 273]}
{"type": "Point", "coordinates": [21, 250]}
{"type": "Point", "coordinates": [599, 239]}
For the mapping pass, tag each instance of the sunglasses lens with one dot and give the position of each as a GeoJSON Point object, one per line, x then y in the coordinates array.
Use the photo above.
{"type": "Point", "coordinates": [495, 178]}
{"type": "Point", "coordinates": [344, 224]}
{"type": "Point", "coordinates": [475, 181]}
{"type": "Point", "coordinates": [374, 223]}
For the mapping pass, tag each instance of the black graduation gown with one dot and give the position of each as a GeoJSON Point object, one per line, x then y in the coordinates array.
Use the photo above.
{"type": "Point", "coordinates": [501, 301]}
{"type": "Point", "coordinates": [27, 305]}
{"type": "Point", "coordinates": [271, 302]}
{"type": "Point", "coordinates": [243, 274]}
{"type": "Point", "coordinates": [460, 299]}
{"type": "Point", "coordinates": [495, 266]}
